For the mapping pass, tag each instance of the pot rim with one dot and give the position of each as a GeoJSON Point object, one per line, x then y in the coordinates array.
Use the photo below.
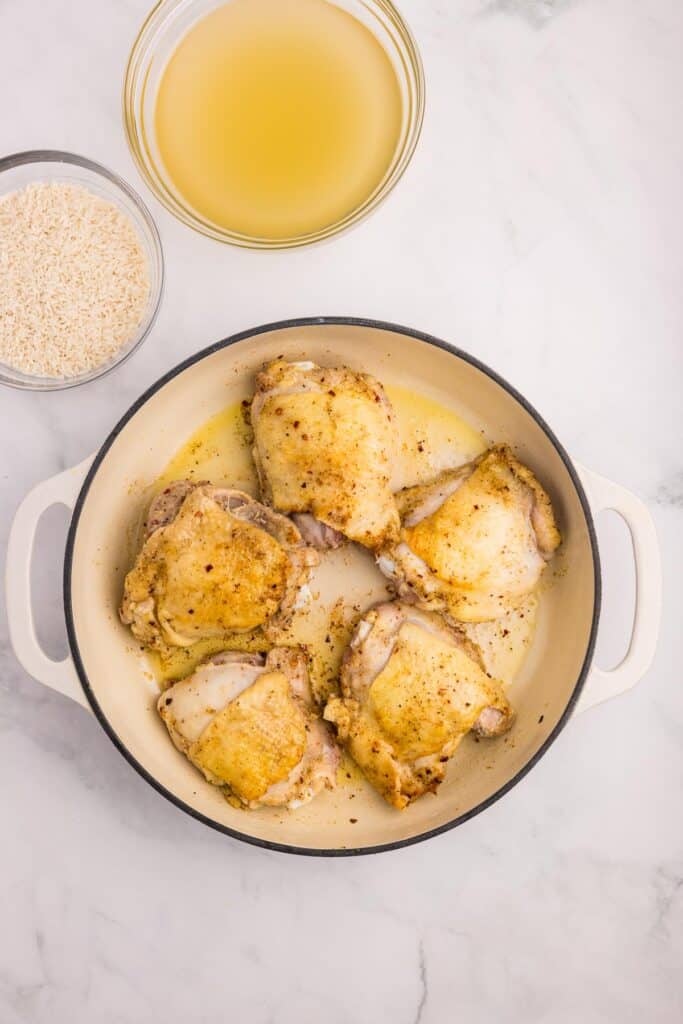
{"type": "Point", "coordinates": [254, 332]}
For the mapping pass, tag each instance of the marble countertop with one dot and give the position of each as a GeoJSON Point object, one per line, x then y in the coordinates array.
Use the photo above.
{"type": "Point", "coordinates": [540, 227]}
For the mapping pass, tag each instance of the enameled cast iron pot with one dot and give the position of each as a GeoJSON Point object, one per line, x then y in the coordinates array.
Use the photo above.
{"type": "Point", "coordinates": [106, 674]}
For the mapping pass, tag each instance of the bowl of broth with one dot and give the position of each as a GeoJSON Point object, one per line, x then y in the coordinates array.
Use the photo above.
{"type": "Point", "coordinates": [268, 124]}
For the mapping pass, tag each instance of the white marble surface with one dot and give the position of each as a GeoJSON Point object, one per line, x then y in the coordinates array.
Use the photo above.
{"type": "Point", "coordinates": [540, 226]}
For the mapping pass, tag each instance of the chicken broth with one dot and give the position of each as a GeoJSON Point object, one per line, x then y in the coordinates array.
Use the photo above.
{"type": "Point", "coordinates": [432, 437]}
{"type": "Point", "coordinates": [277, 120]}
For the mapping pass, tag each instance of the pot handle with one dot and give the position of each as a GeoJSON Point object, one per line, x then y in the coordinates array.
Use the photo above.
{"type": "Point", "coordinates": [62, 489]}
{"type": "Point", "coordinates": [604, 494]}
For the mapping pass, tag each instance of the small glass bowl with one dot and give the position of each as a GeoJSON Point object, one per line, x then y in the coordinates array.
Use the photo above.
{"type": "Point", "coordinates": [166, 25]}
{"type": "Point", "coordinates": [46, 165]}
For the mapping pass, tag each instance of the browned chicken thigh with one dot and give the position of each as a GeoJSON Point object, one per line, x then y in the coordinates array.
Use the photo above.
{"type": "Point", "coordinates": [214, 562]}
{"type": "Point", "coordinates": [324, 444]}
{"type": "Point", "coordinates": [248, 724]}
{"type": "Point", "coordinates": [475, 540]}
{"type": "Point", "coordinates": [412, 688]}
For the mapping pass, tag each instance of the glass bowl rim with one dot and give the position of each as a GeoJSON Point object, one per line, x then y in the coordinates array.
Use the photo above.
{"type": "Point", "coordinates": [135, 77]}
{"type": "Point", "coordinates": [58, 156]}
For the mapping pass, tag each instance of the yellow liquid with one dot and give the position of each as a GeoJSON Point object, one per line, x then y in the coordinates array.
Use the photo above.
{"type": "Point", "coordinates": [432, 438]}
{"type": "Point", "coordinates": [278, 118]}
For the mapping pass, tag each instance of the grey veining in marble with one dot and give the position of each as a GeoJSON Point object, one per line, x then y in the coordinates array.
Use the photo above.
{"type": "Point", "coordinates": [541, 227]}
{"type": "Point", "coordinates": [537, 12]}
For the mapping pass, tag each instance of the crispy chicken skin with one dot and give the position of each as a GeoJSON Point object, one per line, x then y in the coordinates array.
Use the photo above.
{"type": "Point", "coordinates": [214, 562]}
{"type": "Point", "coordinates": [325, 441]}
{"type": "Point", "coordinates": [248, 724]}
{"type": "Point", "coordinates": [412, 687]}
{"type": "Point", "coordinates": [475, 541]}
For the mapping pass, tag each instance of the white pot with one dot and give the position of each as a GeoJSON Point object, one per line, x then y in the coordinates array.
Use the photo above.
{"type": "Point", "coordinates": [105, 672]}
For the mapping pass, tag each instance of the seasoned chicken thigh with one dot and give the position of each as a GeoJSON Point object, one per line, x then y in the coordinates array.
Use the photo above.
{"type": "Point", "coordinates": [325, 441]}
{"type": "Point", "coordinates": [412, 687]}
{"type": "Point", "coordinates": [214, 562]}
{"type": "Point", "coordinates": [475, 541]}
{"type": "Point", "coordinates": [247, 723]}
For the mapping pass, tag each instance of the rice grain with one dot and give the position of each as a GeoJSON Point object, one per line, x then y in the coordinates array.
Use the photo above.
{"type": "Point", "coordinates": [74, 280]}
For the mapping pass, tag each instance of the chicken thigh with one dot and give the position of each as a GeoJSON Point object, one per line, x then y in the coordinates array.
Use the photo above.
{"type": "Point", "coordinates": [475, 541]}
{"type": "Point", "coordinates": [412, 688]}
{"type": "Point", "coordinates": [247, 723]}
{"type": "Point", "coordinates": [325, 441]}
{"type": "Point", "coordinates": [214, 562]}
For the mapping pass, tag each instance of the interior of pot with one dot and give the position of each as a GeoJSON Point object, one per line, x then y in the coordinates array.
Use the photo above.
{"type": "Point", "coordinates": [117, 677]}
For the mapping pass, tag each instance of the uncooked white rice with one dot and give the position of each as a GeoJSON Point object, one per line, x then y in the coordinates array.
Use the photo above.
{"type": "Point", "coordinates": [74, 280]}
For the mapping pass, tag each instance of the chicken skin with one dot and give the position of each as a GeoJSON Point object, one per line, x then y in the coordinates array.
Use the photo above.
{"type": "Point", "coordinates": [214, 562]}
{"type": "Point", "coordinates": [248, 724]}
{"type": "Point", "coordinates": [412, 688]}
{"type": "Point", "coordinates": [325, 441]}
{"type": "Point", "coordinates": [475, 541]}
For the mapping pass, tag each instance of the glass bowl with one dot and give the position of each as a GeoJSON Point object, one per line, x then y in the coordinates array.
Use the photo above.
{"type": "Point", "coordinates": [44, 165]}
{"type": "Point", "coordinates": [165, 26]}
